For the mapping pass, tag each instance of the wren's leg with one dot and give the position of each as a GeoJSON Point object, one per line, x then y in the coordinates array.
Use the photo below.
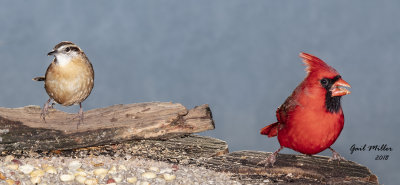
{"type": "Point", "coordinates": [52, 105]}
{"type": "Point", "coordinates": [80, 115]}
{"type": "Point", "coordinates": [335, 155]}
{"type": "Point", "coordinates": [271, 158]}
{"type": "Point", "coordinates": [45, 110]}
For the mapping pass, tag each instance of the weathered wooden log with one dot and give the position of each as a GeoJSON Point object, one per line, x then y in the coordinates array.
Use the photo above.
{"type": "Point", "coordinates": [213, 154]}
{"type": "Point", "coordinates": [187, 149]}
{"type": "Point", "coordinates": [23, 129]}
{"type": "Point", "coordinates": [290, 169]}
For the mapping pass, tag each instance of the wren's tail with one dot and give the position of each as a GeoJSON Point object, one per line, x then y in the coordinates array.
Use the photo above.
{"type": "Point", "coordinates": [40, 78]}
{"type": "Point", "coordinates": [270, 130]}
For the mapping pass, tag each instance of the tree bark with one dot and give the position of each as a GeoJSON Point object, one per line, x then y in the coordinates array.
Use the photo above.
{"type": "Point", "coordinates": [290, 169]}
{"type": "Point", "coordinates": [213, 154]}
{"type": "Point", "coordinates": [23, 128]}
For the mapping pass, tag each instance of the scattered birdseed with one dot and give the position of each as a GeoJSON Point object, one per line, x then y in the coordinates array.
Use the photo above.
{"type": "Point", "coordinates": [121, 171]}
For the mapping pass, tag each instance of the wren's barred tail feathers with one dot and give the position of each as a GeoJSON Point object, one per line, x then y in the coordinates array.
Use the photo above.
{"type": "Point", "coordinates": [69, 78]}
{"type": "Point", "coordinates": [39, 78]}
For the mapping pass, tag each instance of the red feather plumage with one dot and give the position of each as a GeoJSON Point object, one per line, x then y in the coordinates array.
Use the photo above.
{"type": "Point", "coordinates": [305, 122]}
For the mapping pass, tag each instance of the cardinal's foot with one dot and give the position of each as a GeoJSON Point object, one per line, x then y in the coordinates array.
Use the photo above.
{"type": "Point", "coordinates": [335, 156]}
{"type": "Point", "coordinates": [270, 160]}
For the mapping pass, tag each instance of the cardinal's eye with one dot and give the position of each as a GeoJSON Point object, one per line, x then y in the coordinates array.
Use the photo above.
{"type": "Point", "coordinates": [324, 82]}
{"type": "Point", "coordinates": [68, 49]}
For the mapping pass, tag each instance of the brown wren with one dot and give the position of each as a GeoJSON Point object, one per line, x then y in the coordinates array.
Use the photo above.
{"type": "Point", "coordinates": [69, 78]}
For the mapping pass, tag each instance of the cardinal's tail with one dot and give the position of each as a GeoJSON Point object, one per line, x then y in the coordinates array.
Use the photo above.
{"type": "Point", "coordinates": [270, 130]}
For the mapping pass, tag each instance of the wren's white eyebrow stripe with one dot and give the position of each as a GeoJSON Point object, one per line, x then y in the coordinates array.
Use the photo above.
{"type": "Point", "coordinates": [69, 79]}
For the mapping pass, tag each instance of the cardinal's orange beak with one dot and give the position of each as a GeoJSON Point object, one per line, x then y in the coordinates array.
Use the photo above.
{"type": "Point", "coordinates": [339, 88]}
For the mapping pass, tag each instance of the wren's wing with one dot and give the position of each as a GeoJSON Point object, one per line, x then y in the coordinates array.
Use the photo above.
{"type": "Point", "coordinates": [39, 78]}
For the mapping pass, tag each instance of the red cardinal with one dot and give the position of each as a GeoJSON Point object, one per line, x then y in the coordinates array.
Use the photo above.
{"type": "Point", "coordinates": [311, 119]}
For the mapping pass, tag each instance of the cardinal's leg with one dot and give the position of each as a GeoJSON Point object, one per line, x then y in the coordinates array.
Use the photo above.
{"type": "Point", "coordinates": [335, 155]}
{"type": "Point", "coordinates": [271, 158]}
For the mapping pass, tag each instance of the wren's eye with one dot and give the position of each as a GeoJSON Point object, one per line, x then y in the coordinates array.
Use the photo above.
{"type": "Point", "coordinates": [324, 82]}
{"type": "Point", "coordinates": [68, 49]}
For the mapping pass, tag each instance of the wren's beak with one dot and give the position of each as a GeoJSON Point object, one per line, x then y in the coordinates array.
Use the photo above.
{"type": "Point", "coordinates": [52, 53]}
{"type": "Point", "coordinates": [339, 88]}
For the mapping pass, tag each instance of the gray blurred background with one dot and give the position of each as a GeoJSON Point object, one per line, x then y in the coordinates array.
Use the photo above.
{"type": "Point", "coordinates": [240, 57]}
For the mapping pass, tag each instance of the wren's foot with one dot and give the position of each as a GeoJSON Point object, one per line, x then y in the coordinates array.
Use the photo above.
{"type": "Point", "coordinates": [271, 159]}
{"type": "Point", "coordinates": [52, 105]}
{"type": "Point", "coordinates": [79, 116]}
{"type": "Point", "coordinates": [335, 156]}
{"type": "Point", "coordinates": [45, 110]}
